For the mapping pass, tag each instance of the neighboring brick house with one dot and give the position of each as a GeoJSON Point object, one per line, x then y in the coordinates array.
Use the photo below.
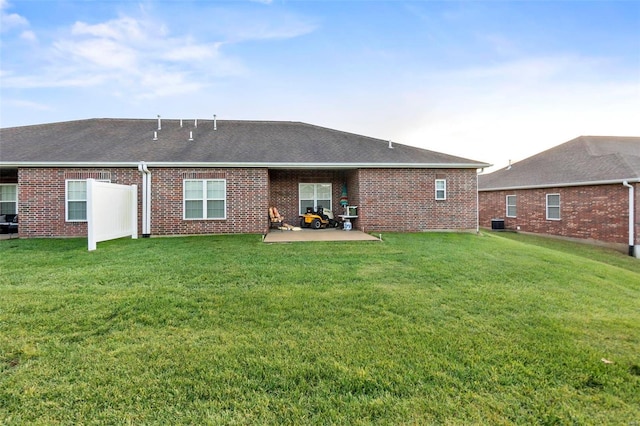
{"type": "Point", "coordinates": [221, 176]}
{"type": "Point", "coordinates": [586, 188]}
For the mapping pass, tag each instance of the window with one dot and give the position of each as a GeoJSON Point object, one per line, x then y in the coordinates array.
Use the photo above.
{"type": "Point", "coordinates": [511, 206]}
{"type": "Point", "coordinates": [205, 198]}
{"type": "Point", "coordinates": [314, 195]}
{"type": "Point", "coordinates": [8, 199]}
{"type": "Point", "coordinates": [441, 189]}
{"type": "Point", "coordinates": [553, 206]}
{"type": "Point", "coordinates": [76, 199]}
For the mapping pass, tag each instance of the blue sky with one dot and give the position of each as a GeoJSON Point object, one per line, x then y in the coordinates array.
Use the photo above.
{"type": "Point", "coordinates": [488, 80]}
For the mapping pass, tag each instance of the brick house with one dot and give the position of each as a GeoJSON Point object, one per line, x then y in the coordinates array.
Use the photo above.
{"type": "Point", "coordinates": [220, 176]}
{"type": "Point", "coordinates": [587, 188]}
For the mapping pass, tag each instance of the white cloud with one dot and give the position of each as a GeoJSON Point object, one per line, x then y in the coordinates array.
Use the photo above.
{"type": "Point", "coordinates": [29, 36]}
{"type": "Point", "coordinates": [100, 52]}
{"type": "Point", "coordinates": [239, 26]}
{"type": "Point", "coordinates": [140, 56]}
{"type": "Point", "coordinates": [9, 21]}
{"type": "Point", "coordinates": [123, 29]}
{"type": "Point", "coordinates": [134, 54]}
{"type": "Point", "coordinates": [517, 75]}
{"type": "Point", "coordinates": [267, 31]}
{"type": "Point", "coordinates": [159, 84]}
{"type": "Point", "coordinates": [190, 52]}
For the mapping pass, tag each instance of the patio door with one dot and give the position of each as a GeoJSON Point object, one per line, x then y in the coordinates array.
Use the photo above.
{"type": "Point", "coordinates": [314, 195]}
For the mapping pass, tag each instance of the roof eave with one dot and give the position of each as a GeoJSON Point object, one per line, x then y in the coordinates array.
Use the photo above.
{"type": "Point", "coordinates": [270, 165]}
{"type": "Point", "coordinates": [560, 185]}
{"type": "Point", "coordinates": [13, 164]}
{"type": "Point", "coordinates": [370, 165]}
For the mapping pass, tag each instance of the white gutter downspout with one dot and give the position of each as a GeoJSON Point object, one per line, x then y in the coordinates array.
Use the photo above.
{"type": "Point", "coordinates": [477, 205]}
{"type": "Point", "coordinates": [146, 199]}
{"type": "Point", "coordinates": [631, 218]}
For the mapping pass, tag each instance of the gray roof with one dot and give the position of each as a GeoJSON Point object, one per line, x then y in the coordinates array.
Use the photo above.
{"type": "Point", "coordinates": [584, 160]}
{"type": "Point", "coordinates": [232, 143]}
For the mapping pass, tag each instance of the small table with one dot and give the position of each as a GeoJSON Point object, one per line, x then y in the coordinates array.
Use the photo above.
{"type": "Point", "coordinates": [347, 219]}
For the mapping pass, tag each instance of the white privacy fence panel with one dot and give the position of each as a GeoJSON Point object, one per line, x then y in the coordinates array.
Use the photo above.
{"type": "Point", "coordinates": [112, 211]}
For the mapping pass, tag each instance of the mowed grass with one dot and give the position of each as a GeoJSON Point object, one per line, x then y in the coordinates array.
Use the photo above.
{"type": "Point", "coordinates": [417, 329]}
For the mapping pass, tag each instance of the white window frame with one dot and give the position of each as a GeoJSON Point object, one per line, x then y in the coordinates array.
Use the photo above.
{"type": "Point", "coordinates": [553, 206]}
{"type": "Point", "coordinates": [441, 192]}
{"type": "Point", "coordinates": [316, 185]}
{"type": "Point", "coordinates": [513, 205]}
{"type": "Point", "coordinates": [8, 201]}
{"type": "Point", "coordinates": [204, 199]}
{"type": "Point", "coordinates": [67, 200]}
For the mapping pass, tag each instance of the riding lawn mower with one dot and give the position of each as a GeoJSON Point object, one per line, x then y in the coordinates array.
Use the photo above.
{"type": "Point", "coordinates": [319, 218]}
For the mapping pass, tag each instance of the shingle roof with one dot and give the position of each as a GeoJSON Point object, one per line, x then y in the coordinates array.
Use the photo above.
{"type": "Point", "coordinates": [270, 143]}
{"type": "Point", "coordinates": [584, 160]}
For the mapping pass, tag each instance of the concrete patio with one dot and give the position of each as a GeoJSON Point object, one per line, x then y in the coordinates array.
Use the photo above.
{"type": "Point", "coordinates": [333, 234]}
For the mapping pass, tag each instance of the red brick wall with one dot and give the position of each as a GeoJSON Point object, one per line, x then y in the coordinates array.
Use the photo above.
{"type": "Point", "coordinates": [41, 201]}
{"type": "Point", "coordinates": [404, 200]}
{"type": "Point", "coordinates": [387, 199]}
{"type": "Point", "coordinates": [247, 201]}
{"type": "Point", "coordinates": [599, 212]}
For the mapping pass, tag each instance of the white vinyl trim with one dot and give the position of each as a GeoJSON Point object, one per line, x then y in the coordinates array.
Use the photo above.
{"type": "Point", "coordinates": [251, 165]}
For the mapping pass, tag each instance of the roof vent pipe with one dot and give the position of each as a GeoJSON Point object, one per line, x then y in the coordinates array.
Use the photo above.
{"type": "Point", "coordinates": [190, 135]}
{"type": "Point", "coordinates": [159, 123]}
{"type": "Point", "coordinates": [181, 122]}
{"type": "Point", "coordinates": [509, 166]}
{"type": "Point", "coordinates": [155, 136]}
{"type": "Point", "coordinates": [390, 145]}
{"type": "Point", "coordinates": [195, 123]}
{"type": "Point", "coordinates": [215, 124]}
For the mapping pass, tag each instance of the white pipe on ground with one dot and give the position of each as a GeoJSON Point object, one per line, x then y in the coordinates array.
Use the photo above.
{"type": "Point", "coordinates": [631, 218]}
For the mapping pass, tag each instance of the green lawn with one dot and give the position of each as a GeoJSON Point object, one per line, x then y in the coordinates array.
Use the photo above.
{"type": "Point", "coordinates": [417, 329]}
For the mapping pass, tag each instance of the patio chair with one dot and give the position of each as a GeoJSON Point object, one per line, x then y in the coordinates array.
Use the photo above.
{"type": "Point", "coordinates": [275, 220]}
